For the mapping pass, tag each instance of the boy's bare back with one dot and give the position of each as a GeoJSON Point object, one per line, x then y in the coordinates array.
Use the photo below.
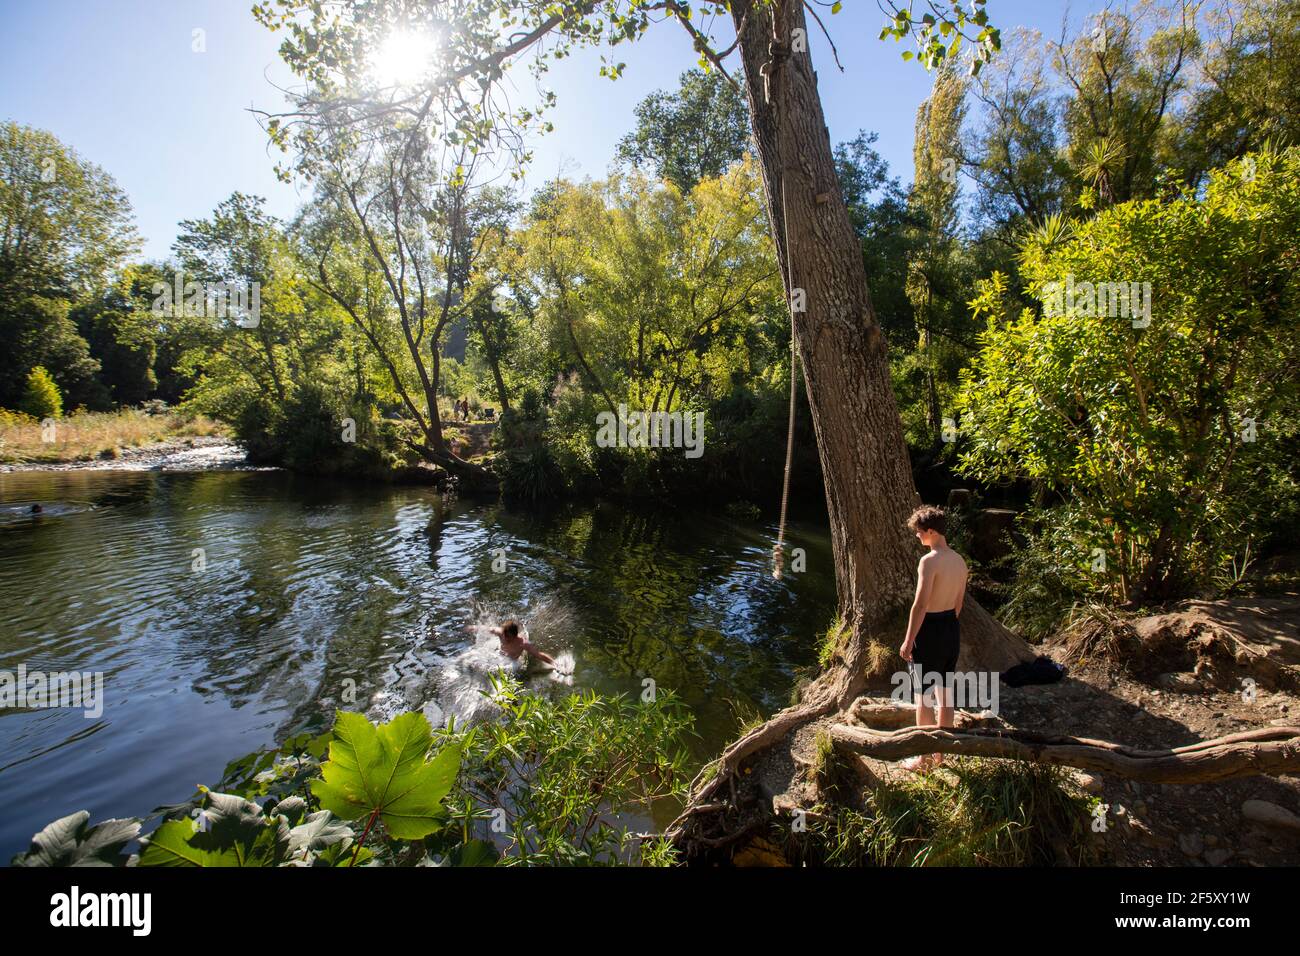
{"type": "Point", "coordinates": [946, 573]}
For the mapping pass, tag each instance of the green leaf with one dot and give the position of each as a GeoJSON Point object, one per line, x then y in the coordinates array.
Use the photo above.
{"type": "Point", "coordinates": [169, 846]}
{"type": "Point", "coordinates": [473, 853]}
{"type": "Point", "coordinates": [230, 831]}
{"type": "Point", "coordinates": [68, 842]}
{"type": "Point", "coordinates": [383, 770]}
{"type": "Point", "coordinates": [322, 829]}
{"type": "Point", "coordinates": [340, 854]}
{"type": "Point", "coordinates": [291, 808]}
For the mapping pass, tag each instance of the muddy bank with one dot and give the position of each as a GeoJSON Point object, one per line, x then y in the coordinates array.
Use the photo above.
{"type": "Point", "coordinates": [205, 453]}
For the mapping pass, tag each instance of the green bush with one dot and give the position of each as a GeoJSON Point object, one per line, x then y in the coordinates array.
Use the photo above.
{"type": "Point", "coordinates": [1168, 444]}
{"type": "Point", "coordinates": [41, 398]}
{"type": "Point", "coordinates": [556, 773]}
{"type": "Point", "coordinates": [306, 434]}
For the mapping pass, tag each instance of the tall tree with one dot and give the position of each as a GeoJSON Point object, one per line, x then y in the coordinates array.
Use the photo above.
{"type": "Point", "coordinates": [930, 286]}
{"type": "Point", "coordinates": [1251, 91]}
{"type": "Point", "coordinates": [689, 134]}
{"type": "Point", "coordinates": [886, 227]}
{"type": "Point", "coordinates": [65, 229]}
{"type": "Point", "coordinates": [869, 487]}
{"type": "Point", "coordinates": [1013, 153]}
{"type": "Point", "coordinates": [1127, 73]}
{"type": "Point", "coordinates": [240, 243]}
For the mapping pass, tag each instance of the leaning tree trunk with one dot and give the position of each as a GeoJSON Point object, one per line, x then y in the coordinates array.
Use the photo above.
{"type": "Point", "coordinates": [869, 487]}
{"type": "Point", "coordinates": [868, 476]}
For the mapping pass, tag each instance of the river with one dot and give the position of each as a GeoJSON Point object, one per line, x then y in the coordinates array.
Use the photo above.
{"type": "Point", "coordinates": [229, 609]}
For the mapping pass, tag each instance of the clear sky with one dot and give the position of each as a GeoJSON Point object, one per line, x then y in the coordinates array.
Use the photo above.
{"type": "Point", "coordinates": [121, 82]}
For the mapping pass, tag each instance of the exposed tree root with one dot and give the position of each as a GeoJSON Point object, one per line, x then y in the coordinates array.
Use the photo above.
{"type": "Point", "coordinates": [859, 660]}
{"type": "Point", "coordinates": [880, 714]}
{"type": "Point", "coordinates": [472, 477]}
{"type": "Point", "coordinates": [1272, 751]}
{"type": "Point", "coordinates": [704, 791]}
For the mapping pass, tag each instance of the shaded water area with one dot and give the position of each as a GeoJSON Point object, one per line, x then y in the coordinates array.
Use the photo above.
{"type": "Point", "coordinates": [319, 595]}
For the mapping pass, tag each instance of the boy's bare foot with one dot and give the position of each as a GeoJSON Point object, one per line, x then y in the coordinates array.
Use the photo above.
{"type": "Point", "coordinates": [916, 764]}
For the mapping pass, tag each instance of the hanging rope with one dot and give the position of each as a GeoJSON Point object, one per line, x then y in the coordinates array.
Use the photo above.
{"type": "Point", "coordinates": [778, 553]}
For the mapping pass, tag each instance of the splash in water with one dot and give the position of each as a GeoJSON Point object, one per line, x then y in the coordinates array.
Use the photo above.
{"type": "Point", "coordinates": [460, 687]}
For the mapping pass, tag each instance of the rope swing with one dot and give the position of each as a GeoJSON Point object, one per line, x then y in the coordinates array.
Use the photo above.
{"type": "Point", "coordinates": [778, 553]}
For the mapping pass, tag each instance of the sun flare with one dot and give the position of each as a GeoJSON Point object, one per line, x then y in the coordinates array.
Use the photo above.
{"type": "Point", "coordinates": [403, 58]}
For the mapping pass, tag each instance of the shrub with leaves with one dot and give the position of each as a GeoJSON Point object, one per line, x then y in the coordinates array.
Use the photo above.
{"type": "Point", "coordinates": [1167, 440]}
{"type": "Point", "coordinates": [41, 398]}
{"type": "Point", "coordinates": [551, 782]}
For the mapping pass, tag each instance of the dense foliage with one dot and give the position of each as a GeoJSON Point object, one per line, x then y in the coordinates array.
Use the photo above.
{"type": "Point", "coordinates": [1160, 434]}
{"type": "Point", "coordinates": [547, 781]}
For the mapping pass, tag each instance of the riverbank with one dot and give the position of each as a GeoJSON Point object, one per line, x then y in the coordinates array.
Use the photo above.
{"type": "Point", "coordinates": [105, 439]}
{"type": "Point", "coordinates": [1193, 672]}
{"type": "Point", "coordinates": [204, 453]}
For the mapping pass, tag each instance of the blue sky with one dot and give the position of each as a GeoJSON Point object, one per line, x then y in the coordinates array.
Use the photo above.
{"type": "Point", "coordinates": [120, 82]}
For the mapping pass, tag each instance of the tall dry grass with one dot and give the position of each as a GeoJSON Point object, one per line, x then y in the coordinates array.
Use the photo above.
{"type": "Point", "coordinates": [86, 435]}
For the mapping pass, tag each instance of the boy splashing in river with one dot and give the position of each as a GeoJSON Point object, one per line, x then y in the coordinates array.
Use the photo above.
{"type": "Point", "coordinates": [514, 644]}
{"type": "Point", "coordinates": [933, 633]}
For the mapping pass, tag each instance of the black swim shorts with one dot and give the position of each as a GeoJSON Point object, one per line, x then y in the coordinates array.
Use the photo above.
{"type": "Point", "coordinates": [938, 643]}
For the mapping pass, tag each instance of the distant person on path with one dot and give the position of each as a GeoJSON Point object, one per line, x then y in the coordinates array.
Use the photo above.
{"type": "Point", "coordinates": [933, 632]}
{"type": "Point", "coordinates": [464, 405]}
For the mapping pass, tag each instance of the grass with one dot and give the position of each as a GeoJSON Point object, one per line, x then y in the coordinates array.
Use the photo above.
{"type": "Point", "coordinates": [995, 813]}
{"type": "Point", "coordinates": [828, 643]}
{"type": "Point", "coordinates": [83, 436]}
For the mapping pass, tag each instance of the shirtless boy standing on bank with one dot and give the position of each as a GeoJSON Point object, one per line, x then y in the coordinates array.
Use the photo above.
{"type": "Point", "coordinates": [933, 633]}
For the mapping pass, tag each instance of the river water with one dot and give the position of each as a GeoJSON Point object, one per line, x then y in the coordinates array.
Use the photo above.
{"type": "Point", "coordinates": [227, 610]}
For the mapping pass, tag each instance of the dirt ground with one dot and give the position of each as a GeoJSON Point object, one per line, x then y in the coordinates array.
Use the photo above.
{"type": "Point", "coordinates": [1199, 671]}
{"type": "Point", "coordinates": [1203, 670]}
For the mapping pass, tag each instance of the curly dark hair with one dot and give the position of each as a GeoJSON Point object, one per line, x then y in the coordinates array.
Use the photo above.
{"type": "Point", "coordinates": [510, 629]}
{"type": "Point", "coordinates": [928, 518]}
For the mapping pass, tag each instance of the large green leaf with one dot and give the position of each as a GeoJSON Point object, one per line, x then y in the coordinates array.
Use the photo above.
{"type": "Point", "coordinates": [69, 842]}
{"type": "Point", "coordinates": [473, 853]}
{"type": "Point", "coordinates": [230, 831]}
{"type": "Point", "coordinates": [320, 830]}
{"type": "Point", "coordinates": [384, 770]}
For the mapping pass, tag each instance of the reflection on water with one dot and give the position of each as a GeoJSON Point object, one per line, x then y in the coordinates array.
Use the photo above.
{"type": "Point", "coordinates": [230, 609]}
